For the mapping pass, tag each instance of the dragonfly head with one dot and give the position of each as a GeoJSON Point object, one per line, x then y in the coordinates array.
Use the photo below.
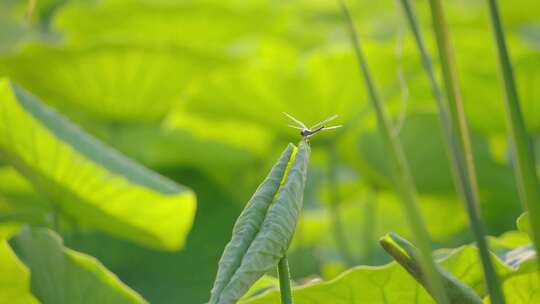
{"type": "Point", "coordinates": [305, 132]}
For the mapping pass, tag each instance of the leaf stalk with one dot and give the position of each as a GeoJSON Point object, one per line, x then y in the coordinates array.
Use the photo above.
{"type": "Point", "coordinates": [402, 176]}
{"type": "Point", "coordinates": [460, 152]}
{"type": "Point", "coordinates": [524, 162]}
{"type": "Point", "coordinates": [285, 281]}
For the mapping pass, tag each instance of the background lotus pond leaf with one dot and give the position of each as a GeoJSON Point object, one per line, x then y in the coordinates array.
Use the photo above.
{"type": "Point", "coordinates": [133, 132]}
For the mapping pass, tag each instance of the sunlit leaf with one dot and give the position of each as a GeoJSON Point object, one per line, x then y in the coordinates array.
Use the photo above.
{"type": "Point", "coordinates": [238, 144]}
{"type": "Point", "coordinates": [113, 82]}
{"type": "Point", "coordinates": [15, 281]}
{"type": "Point", "coordinates": [523, 289]}
{"type": "Point", "coordinates": [479, 79]}
{"type": "Point", "coordinates": [509, 240]}
{"type": "Point", "coordinates": [523, 223]}
{"type": "Point", "coordinates": [87, 180]}
{"type": "Point", "coordinates": [387, 284]}
{"type": "Point", "coordinates": [322, 84]}
{"type": "Point", "coordinates": [207, 26]}
{"type": "Point", "coordinates": [189, 141]}
{"type": "Point", "coordinates": [15, 278]}
{"type": "Point", "coordinates": [313, 226]}
{"type": "Point", "coordinates": [19, 203]}
{"type": "Point", "coordinates": [370, 217]}
{"type": "Point", "coordinates": [60, 275]}
{"type": "Point", "coordinates": [263, 284]}
{"type": "Point", "coordinates": [187, 274]}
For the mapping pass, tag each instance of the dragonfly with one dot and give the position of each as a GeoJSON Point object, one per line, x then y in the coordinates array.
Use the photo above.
{"type": "Point", "coordinates": [308, 132]}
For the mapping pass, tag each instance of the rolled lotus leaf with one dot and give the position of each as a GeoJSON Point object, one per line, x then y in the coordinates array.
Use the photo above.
{"type": "Point", "coordinates": [265, 227]}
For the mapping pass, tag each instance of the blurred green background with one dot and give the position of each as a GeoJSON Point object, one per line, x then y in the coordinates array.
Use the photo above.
{"type": "Point", "coordinates": [195, 89]}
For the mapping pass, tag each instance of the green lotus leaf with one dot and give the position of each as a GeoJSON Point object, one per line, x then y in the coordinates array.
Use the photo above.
{"type": "Point", "coordinates": [523, 223]}
{"type": "Point", "coordinates": [237, 143]}
{"type": "Point", "coordinates": [205, 26]}
{"type": "Point", "coordinates": [321, 84]}
{"type": "Point", "coordinates": [60, 275]}
{"type": "Point", "coordinates": [88, 181]}
{"type": "Point", "coordinates": [263, 284]}
{"type": "Point", "coordinates": [19, 202]}
{"type": "Point", "coordinates": [15, 279]}
{"type": "Point", "coordinates": [389, 283]}
{"type": "Point", "coordinates": [113, 82]}
{"type": "Point", "coordinates": [522, 289]}
{"type": "Point", "coordinates": [371, 216]}
{"type": "Point", "coordinates": [432, 174]}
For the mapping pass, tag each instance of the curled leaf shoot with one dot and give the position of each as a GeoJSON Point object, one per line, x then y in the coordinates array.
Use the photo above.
{"type": "Point", "coordinates": [408, 257]}
{"type": "Point", "coordinates": [264, 229]}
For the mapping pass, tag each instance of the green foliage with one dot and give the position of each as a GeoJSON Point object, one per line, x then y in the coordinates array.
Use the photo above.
{"type": "Point", "coordinates": [249, 223]}
{"type": "Point", "coordinates": [187, 274]}
{"type": "Point", "coordinates": [188, 24]}
{"type": "Point", "coordinates": [378, 214]}
{"type": "Point", "coordinates": [460, 268]}
{"type": "Point", "coordinates": [523, 289]}
{"type": "Point", "coordinates": [407, 256]}
{"type": "Point", "coordinates": [194, 90]}
{"type": "Point", "coordinates": [436, 179]}
{"type": "Point", "coordinates": [321, 82]}
{"type": "Point", "coordinates": [456, 134]}
{"type": "Point", "coordinates": [15, 281]}
{"type": "Point", "coordinates": [264, 229]}
{"type": "Point", "coordinates": [523, 224]}
{"type": "Point", "coordinates": [18, 200]}
{"type": "Point", "coordinates": [401, 173]}
{"type": "Point", "coordinates": [60, 275]}
{"type": "Point", "coordinates": [264, 283]}
{"type": "Point", "coordinates": [46, 148]}
{"type": "Point", "coordinates": [134, 75]}
{"type": "Point", "coordinates": [391, 283]}
{"type": "Point", "coordinates": [523, 155]}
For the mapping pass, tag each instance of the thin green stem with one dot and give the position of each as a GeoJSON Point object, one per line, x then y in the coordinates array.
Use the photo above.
{"type": "Point", "coordinates": [337, 223]}
{"type": "Point", "coordinates": [451, 84]}
{"type": "Point", "coordinates": [370, 221]}
{"type": "Point", "coordinates": [402, 177]}
{"type": "Point", "coordinates": [284, 281]}
{"type": "Point", "coordinates": [464, 177]}
{"type": "Point", "coordinates": [524, 163]}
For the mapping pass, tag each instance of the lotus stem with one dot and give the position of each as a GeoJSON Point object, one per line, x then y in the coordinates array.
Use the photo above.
{"type": "Point", "coordinates": [285, 281]}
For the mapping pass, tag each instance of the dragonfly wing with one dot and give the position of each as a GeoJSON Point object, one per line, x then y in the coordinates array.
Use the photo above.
{"type": "Point", "coordinates": [295, 127]}
{"type": "Point", "coordinates": [296, 120]}
{"type": "Point", "coordinates": [324, 121]}
{"type": "Point", "coordinates": [332, 127]}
